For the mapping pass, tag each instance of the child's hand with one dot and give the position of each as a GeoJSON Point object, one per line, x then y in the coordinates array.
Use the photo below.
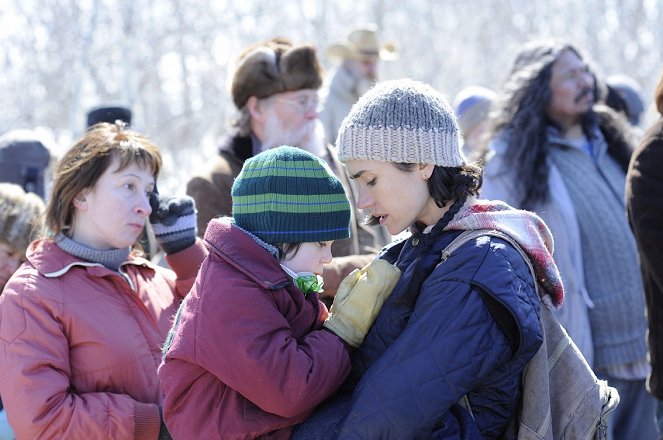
{"type": "Point", "coordinates": [359, 299]}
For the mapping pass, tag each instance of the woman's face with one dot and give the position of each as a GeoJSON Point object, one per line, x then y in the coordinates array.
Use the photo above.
{"type": "Point", "coordinates": [9, 262]}
{"type": "Point", "coordinates": [398, 198]}
{"type": "Point", "coordinates": [112, 214]}
{"type": "Point", "coordinates": [310, 257]}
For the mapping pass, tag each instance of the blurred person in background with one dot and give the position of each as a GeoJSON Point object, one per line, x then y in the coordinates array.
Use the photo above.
{"type": "Point", "coordinates": [551, 151]}
{"type": "Point", "coordinates": [472, 107]}
{"type": "Point", "coordinates": [24, 160]}
{"type": "Point", "coordinates": [359, 56]}
{"type": "Point", "coordinates": [275, 89]}
{"type": "Point", "coordinates": [20, 220]}
{"type": "Point", "coordinates": [108, 113]}
{"type": "Point", "coordinates": [644, 197]}
{"type": "Point", "coordinates": [83, 319]}
{"type": "Point", "coordinates": [625, 96]}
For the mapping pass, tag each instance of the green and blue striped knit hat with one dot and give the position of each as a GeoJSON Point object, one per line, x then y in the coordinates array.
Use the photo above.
{"type": "Point", "coordinates": [288, 195]}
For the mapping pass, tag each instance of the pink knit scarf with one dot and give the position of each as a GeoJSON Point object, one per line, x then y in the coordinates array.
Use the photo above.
{"type": "Point", "coordinates": [527, 229]}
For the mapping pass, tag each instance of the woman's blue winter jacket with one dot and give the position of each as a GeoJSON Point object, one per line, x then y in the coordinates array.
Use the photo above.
{"type": "Point", "coordinates": [471, 331]}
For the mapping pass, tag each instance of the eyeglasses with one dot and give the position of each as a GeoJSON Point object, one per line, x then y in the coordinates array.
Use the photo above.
{"type": "Point", "coordinates": [576, 74]}
{"type": "Point", "coordinates": [304, 103]}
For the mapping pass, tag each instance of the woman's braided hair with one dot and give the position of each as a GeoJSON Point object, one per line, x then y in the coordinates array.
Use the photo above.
{"type": "Point", "coordinates": [446, 185]}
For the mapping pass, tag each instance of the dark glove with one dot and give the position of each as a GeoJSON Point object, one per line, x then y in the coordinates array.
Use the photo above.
{"type": "Point", "coordinates": [173, 221]}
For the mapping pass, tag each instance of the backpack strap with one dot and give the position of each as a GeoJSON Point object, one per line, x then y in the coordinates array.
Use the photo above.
{"type": "Point", "coordinates": [499, 313]}
{"type": "Point", "coordinates": [473, 234]}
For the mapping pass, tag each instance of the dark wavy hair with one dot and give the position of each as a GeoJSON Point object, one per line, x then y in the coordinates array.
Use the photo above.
{"type": "Point", "coordinates": [520, 115]}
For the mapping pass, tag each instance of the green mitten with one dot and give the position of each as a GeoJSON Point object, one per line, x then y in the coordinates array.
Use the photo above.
{"type": "Point", "coordinates": [359, 299]}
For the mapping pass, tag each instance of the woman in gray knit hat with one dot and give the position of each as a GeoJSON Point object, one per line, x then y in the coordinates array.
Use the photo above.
{"type": "Point", "coordinates": [438, 337]}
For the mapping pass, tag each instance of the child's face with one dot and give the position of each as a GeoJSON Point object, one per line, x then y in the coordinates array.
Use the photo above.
{"type": "Point", "coordinates": [311, 257]}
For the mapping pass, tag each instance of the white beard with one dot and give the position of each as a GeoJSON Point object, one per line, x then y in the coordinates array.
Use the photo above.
{"type": "Point", "coordinates": [315, 143]}
{"type": "Point", "coordinates": [309, 137]}
{"type": "Point", "coordinates": [361, 83]}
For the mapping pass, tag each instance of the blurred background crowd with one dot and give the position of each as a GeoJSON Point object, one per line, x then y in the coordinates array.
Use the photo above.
{"type": "Point", "coordinates": [169, 60]}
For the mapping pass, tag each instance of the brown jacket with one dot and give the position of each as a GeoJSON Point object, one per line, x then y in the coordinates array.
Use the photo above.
{"type": "Point", "coordinates": [211, 191]}
{"type": "Point", "coordinates": [644, 198]}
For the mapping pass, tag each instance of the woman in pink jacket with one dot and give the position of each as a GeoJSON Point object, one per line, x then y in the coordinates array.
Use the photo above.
{"type": "Point", "coordinates": [82, 321]}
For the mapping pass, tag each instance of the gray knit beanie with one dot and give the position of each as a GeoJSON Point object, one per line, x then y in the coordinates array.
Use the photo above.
{"type": "Point", "coordinates": [402, 121]}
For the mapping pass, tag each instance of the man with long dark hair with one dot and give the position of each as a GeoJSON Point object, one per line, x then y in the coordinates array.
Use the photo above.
{"type": "Point", "coordinates": [553, 151]}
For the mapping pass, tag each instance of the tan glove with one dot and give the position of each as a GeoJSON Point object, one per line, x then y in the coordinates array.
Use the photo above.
{"type": "Point", "coordinates": [359, 298]}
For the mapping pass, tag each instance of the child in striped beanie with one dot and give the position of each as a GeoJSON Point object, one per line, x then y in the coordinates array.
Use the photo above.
{"type": "Point", "coordinates": [288, 196]}
{"type": "Point", "coordinates": [290, 199]}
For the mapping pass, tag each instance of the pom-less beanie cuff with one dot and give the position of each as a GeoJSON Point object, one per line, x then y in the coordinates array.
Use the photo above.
{"type": "Point", "coordinates": [279, 229]}
{"type": "Point", "coordinates": [402, 121]}
{"type": "Point", "coordinates": [401, 145]}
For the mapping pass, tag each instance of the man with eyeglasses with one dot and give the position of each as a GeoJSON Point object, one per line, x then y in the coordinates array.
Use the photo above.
{"type": "Point", "coordinates": [275, 90]}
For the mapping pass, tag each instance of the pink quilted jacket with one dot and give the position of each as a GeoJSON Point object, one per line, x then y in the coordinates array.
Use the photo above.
{"type": "Point", "coordinates": [80, 344]}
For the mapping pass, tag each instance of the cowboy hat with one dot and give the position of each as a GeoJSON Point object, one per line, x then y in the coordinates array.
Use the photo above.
{"type": "Point", "coordinates": [362, 44]}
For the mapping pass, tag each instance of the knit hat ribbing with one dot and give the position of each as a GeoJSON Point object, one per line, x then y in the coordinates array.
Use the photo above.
{"type": "Point", "coordinates": [402, 121]}
{"type": "Point", "coordinates": [287, 195]}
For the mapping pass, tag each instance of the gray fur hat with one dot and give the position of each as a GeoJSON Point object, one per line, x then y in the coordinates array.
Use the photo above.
{"type": "Point", "coordinates": [403, 121]}
{"type": "Point", "coordinates": [20, 216]}
{"type": "Point", "coordinates": [272, 67]}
